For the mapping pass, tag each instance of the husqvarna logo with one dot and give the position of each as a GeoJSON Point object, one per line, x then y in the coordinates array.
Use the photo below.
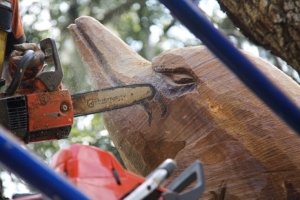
{"type": "Point", "coordinates": [90, 103]}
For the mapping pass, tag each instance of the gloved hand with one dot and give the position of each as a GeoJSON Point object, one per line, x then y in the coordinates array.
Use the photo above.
{"type": "Point", "coordinates": [35, 66]}
{"type": "Point", "coordinates": [29, 83]}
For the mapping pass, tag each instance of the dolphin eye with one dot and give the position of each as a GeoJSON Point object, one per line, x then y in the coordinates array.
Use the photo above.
{"type": "Point", "coordinates": [178, 75]}
{"type": "Point", "coordinates": [181, 78]}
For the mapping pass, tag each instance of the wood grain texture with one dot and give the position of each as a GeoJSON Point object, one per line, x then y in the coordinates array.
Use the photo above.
{"type": "Point", "coordinates": [200, 111]}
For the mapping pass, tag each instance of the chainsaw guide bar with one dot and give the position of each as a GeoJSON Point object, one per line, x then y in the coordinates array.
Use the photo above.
{"type": "Point", "coordinates": [111, 98]}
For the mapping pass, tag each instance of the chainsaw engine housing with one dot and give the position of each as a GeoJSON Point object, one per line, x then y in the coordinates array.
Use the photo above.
{"type": "Point", "coordinates": [38, 116]}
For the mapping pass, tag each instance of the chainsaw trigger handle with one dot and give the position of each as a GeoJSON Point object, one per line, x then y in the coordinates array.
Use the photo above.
{"type": "Point", "coordinates": [51, 79]}
{"type": "Point", "coordinates": [194, 173]}
{"type": "Point", "coordinates": [23, 64]}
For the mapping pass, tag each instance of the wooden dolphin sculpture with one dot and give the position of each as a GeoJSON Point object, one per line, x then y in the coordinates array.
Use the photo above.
{"type": "Point", "coordinates": [200, 111]}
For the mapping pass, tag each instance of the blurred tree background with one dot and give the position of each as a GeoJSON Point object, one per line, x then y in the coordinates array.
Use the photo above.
{"type": "Point", "coordinates": [146, 26]}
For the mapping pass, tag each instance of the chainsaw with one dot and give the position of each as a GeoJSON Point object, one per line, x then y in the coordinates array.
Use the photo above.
{"type": "Point", "coordinates": [36, 108]}
{"type": "Point", "coordinates": [98, 174]}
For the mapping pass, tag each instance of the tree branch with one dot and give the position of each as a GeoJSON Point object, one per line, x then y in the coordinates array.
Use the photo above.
{"type": "Point", "coordinates": [272, 24]}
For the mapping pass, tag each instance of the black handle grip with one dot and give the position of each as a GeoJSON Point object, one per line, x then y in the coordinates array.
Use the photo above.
{"type": "Point", "coordinates": [51, 79]}
{"type": "Point", "coordinates": [190, 175]}
{"type": "Point", "coordinates": [23, 64]}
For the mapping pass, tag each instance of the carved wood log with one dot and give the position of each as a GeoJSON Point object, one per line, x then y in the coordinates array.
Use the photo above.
{"type": "Point", "coordinates": [200, 111]}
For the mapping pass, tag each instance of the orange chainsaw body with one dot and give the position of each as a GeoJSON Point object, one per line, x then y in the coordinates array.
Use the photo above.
{"type": "Point", "coordinates": [38, 116]}
{"type": "Point", "coordinates": [49, 109]}
{"type": "Point", "coordinates": [99, 175]}
{"type": "Point", "coordinates": [96, 172]}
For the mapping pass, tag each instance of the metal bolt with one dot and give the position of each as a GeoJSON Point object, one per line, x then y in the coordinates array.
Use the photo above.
{"type": "Point", "coordinates": [64, 107]}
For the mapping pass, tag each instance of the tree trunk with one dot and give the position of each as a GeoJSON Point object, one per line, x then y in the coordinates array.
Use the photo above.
{"type": "Point", "coordinates": [272, 24]}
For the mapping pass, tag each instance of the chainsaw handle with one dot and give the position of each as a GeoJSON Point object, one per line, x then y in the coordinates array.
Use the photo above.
{"type": "Point", "coordinates": [23, 64]}
{"type": "Point", "coordinates": [51, 79]}
{"type": "Point", "coordinates": [194, 173]}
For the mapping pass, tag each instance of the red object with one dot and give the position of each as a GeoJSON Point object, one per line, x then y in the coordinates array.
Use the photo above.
{"type": "Point", "coordinates": [96, 172]}
{"type": "Point", "coordinates": [49, 109]}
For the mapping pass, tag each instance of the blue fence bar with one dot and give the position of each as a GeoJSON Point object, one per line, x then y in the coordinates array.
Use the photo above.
{"type": "Point", "coordinates": [34, 171]}
{"type": "Point", "coordinates": [190, 16]}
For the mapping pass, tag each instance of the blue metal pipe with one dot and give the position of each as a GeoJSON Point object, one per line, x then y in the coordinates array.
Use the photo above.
{"type": "Point", "coordinates": [189, 15]}
{"type": "Point", "coordinates": [34, 171]}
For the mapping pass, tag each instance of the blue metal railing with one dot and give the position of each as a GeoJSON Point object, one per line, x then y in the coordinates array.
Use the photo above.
{"type": "Point", "coordinates": [190, 16]}
{"type": "Point", "coordinates": [34, 171]}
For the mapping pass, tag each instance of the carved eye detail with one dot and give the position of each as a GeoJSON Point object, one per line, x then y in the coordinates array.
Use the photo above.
{"type": "Point", "coordinates": [178, 75]}
{"type": "Point", "coordinates": [182, 78]}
